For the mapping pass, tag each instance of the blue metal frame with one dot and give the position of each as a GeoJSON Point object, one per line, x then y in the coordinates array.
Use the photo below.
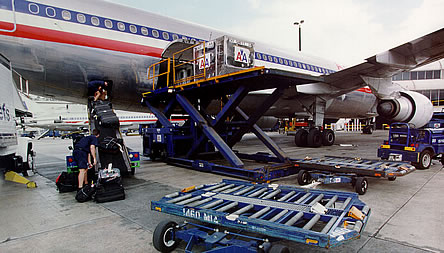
{"type": "Point", "coordinates": [279, 212]}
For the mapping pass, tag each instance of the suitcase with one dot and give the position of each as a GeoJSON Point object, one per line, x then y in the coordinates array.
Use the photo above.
{"type": "Point", "coordinates": [109, 176]}
{"type": "Point", "coordinates": [86, 193]}
{"type": "Point", "coordinates": [109, 192]}
{"type": "Point", "coordinates": [108, 120]}
{"type": "Point", "coordinates": [67, 182]}
{"type": "Point", "coordinates": [101, 108]}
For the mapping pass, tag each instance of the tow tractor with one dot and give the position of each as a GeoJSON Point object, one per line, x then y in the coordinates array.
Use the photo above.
{"type": "Point", "coordinates": [419, 146]}
{"type": "Point", "coordinates": [16, 153]}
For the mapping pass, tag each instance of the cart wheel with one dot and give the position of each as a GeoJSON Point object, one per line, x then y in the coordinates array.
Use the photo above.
{"type": "Point", "coordinates": [361, 185]}
{"type": "Point", "coordinates": [425, 160]}
{"type": "Point", "coordinates": [164, 236]}
{"type": "Point", "coordinates": [392, 178]}
{"type": "Point", "coordinates": [304, 177]}
{"type": "Point", "coordinates": [279, 249]}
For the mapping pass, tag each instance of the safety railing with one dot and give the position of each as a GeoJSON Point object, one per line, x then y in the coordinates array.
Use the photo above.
{"type": "Point", "coordinates": [193, 61]}
{"type": "Point", "coordinates": [152, 69]}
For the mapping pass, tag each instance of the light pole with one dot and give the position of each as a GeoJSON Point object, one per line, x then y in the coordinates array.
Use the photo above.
{"type": "Point", "coordinates": [299, 24]}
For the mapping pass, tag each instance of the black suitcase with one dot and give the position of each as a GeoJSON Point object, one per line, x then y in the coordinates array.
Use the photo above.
{"type": "Point", "coordinates": [101, 108]}
{"type": "Point", "coordinates": [86, 193]}
{"type": "Point", "coordinates": [109, 192]}
{"type": "Point", "coordinates": [67, 182]}
{"type": "Point", "coordinates": [110, 121]}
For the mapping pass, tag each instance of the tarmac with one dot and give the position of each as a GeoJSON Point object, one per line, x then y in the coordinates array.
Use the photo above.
{"type": "Point", "coordinates": [407, 214]}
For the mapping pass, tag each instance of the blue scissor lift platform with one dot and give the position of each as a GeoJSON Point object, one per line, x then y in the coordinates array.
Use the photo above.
{"type": "Point", "coordinates": [269, 211]}
{"type": "Point", "coordinates": [207, 136]}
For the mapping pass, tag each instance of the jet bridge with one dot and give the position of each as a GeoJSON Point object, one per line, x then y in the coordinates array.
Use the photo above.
{"type": "Point", "coordinates": [187, 80]}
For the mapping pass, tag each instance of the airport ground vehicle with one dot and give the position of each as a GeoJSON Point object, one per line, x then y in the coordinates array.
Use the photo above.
{"type": "Point", "coordinates": [16, 153]}
{"type": "Point", "coordinates": [419, 146]}
{"type": "Point", "coordinates": [262, 215]}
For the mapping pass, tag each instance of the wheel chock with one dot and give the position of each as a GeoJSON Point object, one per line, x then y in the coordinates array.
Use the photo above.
{"type": "Point", "coordinates": [14, 177]}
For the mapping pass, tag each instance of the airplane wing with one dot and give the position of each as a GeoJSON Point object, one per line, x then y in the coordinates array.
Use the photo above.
{"type": "Point", "coordinates": [408, 56]}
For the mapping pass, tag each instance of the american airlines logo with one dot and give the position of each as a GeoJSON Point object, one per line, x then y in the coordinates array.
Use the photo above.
{"type": "Point", "coordinates": [4, 113]}
{"type": "Point", "coordinates": [241, 55]}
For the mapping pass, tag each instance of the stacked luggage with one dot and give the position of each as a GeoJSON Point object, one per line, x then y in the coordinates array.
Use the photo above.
{"type": "Point", "coordinates": [104, 114]}
{"type": "Point", "coordinates": [109, 185]}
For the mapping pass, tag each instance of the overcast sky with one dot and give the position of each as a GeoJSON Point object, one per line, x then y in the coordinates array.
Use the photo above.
{"type": "Point", "coordinates": [346, 31]}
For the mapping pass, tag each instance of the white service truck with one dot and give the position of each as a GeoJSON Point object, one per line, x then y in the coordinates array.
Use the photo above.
{"type": "Point", "coordinates": [16, 153]}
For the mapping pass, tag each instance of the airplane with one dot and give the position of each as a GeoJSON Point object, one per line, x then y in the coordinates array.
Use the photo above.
{"type": "Point", "coordinates": [61, 46]}
{"type": "Point", "coordinates": [65, 116]}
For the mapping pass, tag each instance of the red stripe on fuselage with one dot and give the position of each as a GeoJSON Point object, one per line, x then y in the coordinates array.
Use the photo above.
{"type": "Point", "coordinates": [43, 34]}
{"type": "Point", "coordinates": [365, 90]}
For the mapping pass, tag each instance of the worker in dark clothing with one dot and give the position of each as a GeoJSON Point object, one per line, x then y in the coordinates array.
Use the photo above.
{"type": "Point", "coordinates": [83, 151]}
{"type": "Point", "coordinates": [98, 89]}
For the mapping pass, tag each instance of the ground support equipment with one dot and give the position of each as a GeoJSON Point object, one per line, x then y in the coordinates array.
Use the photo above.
{"type": "Point", "coordinates": [202, 134]}
{"type": "Point", "coordinates": [269, 212]}
{"type": "Point", "coordinates": [331, 169]}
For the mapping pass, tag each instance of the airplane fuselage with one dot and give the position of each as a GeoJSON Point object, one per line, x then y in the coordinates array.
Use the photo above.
{"type": "Point", "coordinates": [60, 46]}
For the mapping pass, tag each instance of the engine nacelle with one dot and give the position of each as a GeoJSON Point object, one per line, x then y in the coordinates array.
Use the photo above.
{"type": "Point", "coordinates": [411, 107]}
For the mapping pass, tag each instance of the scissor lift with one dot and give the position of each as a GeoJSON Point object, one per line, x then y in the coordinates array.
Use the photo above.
{"type": "Point", "coordinates": [195, 143]}
{"type": "Point", "coordinates": [271, 212]}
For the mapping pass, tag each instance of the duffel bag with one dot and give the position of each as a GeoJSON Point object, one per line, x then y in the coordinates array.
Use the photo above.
{"type": "Point", "coordinates": [111, 145]}
{"type": "Point", "coordinates": [67, 182]}
{"type": "Point", "coordinates": [86, 193]}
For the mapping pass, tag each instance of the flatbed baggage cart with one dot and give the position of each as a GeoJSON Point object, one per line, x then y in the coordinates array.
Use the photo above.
{"type": "Point", "coordinates": [332, 169]}
{"type": "Point", "coordinates": [263, 213]}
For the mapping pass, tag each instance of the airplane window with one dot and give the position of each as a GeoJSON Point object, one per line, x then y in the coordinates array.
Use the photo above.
{"type": "Point", "coordinates": [165, 35]}
{"type": "Point", "coordinates": [66, 15]}
{"type": "Point", "coordinates": [184, 38]}
{"type": "Point", "coordinates": [108, 23]}
{"type": "Point", "coordinates": [429, 74]}
{"type": "Point", "coordinates": [270, 58]}
{"type": "Point", "coordinates": [50, 12]}
{"type": "Point", "coordinates": [33, 8]}
{"type": "Point", "coordinates": [81, 18]}
{"type": "Point", "coordinates": [144, 31]}
{"type": "Point", "coordinates": [285, 62]}
{"type": "Point", "coordinates": [280, 60]}
{"type": "Point", "coordinates": [437, 74]}
{"type": "Point", "coordinates": [133, 28]}
{"type": "Point", "coordinates": [121, 26]}
{"type": "Point", "coordinates": [175, 36]}
{"type": "Point", "coordinates": [258, 56]}
{"type": "Point", "coordinates": [155, 33]}
{"type": "Point", "coordinates": [275, 59]}
{"type": "Point", "coordinates": [95, 21]}
{"type": "Point", "coordinates": [421, 75]}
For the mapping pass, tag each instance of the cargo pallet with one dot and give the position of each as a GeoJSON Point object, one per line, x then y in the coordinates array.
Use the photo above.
{"type": "Point", "coordinates": [264, 213]}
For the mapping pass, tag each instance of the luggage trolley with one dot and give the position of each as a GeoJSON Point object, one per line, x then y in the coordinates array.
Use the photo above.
{"type": "Point", "coordinates": [262, 214]}
{"type": "Point", "coordinates": [332, 169]}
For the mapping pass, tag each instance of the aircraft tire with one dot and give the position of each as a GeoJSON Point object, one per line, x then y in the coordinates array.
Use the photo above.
{"type": "Point", "coordinates": [314, 138]}
{"type": "Point", "coordinates": [300, 138]}
{"type": "Point", "coordinates": [328, 137]}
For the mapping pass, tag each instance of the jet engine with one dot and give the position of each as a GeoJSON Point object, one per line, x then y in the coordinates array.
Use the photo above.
{"type": "Point", "coordinates": [410, 107]}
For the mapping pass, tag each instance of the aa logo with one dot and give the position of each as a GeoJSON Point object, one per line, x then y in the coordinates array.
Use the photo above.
{"type": "Point", "coordinates": [241, 55]}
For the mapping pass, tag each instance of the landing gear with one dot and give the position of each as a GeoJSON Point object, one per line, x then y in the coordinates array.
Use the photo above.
{"type": "Point", "coordinates": [314, 138]}
{"type": "Point", "coordinates": [328, 137]}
